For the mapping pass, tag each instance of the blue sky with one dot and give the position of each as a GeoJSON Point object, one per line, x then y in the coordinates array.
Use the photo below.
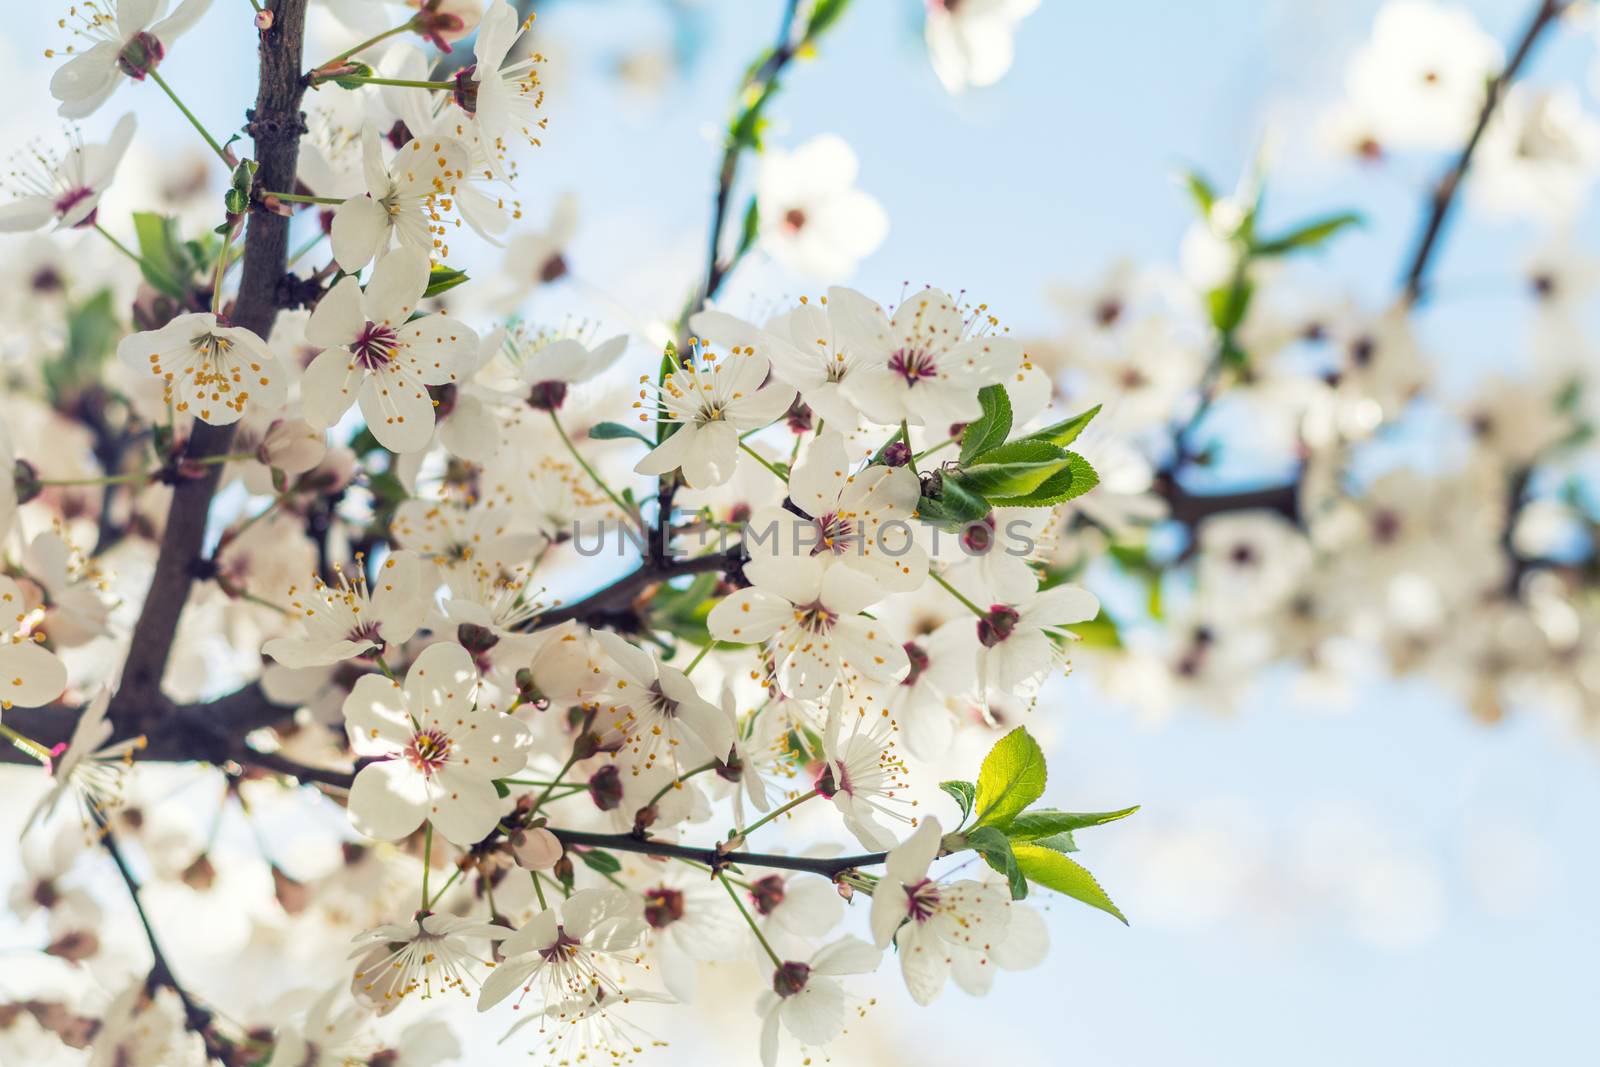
{"type": "Point", "coordinates": [1242, 949]}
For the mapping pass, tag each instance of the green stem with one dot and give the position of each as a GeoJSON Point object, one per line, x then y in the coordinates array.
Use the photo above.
{"type": "Point", "coordinates": [776, 473]}
{"type": "Point", "coordinates": [144, 265]}
{"type": "Point", "coordinates": [733, 894]}
{"type": "Point", "coordinates": [685, 776]}
{"type": "Point", "coordinates": [953, 591]}
{"type": "Point", "coordinates": [427, 862]}
{"type": "Point", "coordinates": [216, 282]}
{"type": "Point", "coordinates": [444, 888]}
{"type": "Point", "coordinates": [926, 452]}
{"type": "Point", "coordinates": [210, 140]}
{"type": "Point", "coordinates": [700, 656]}
{"type": "Point", "coordinates": [590, 471]}
{"type": "Point", "coordinates": [538, 891]}
{"type": "Point", "coordinates": [109, 479]}
{"type": "Point", "coordinates": [402, 83]}
{"type": "Point", "coordinates": [368, 43]}
{"type": "Point", "coordinates": [565, 767]}
{"type": "Point", "coordinates": [305, 248]}
{"type": "Point", "coordinates": [905, 435]}
{"type": "Point", "coordinates": [773, 814]}
{"type": "Point", "coordinates": [296, 198]}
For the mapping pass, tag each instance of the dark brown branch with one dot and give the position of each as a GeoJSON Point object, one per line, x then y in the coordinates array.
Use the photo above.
{"type": "Point", "coordinates": [275, 124]}
{"type": "Point", "coordinates": [196, 1018]}
{"type": "Point", "coordinates": [614, 601]}
{"type": "Point", "coordinates": [1191, 508]}
{"type": "Point", "coordinates": [1449, 185]}
{"type": "Point", "coordinates": [828, 868]}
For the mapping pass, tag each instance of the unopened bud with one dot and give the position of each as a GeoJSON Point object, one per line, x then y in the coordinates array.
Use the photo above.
{"type": "Point", "coordinates": [605, 787]}
{"type": "Point", "coordinates": [537, 849]}
{"type": "Point", "coordinates": [790, 978]}
{"type": "Point", "coordinates": [264, 20]}
{"type": "Point", "coordinates": [997, 625]}
{"type": "Point", "coordinates": [896, 454]}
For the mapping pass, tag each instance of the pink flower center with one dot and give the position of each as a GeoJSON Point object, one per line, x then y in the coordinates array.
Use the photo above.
{"type": "Point", "coordinates": [564, 948]}
{"type": "Point", "coordinates": [429, 750]}
{"type": "Point", "coordinates": [834, 534]}
{"type": "Point", "coordinates": [375, 345]}
{"type": "Point", "coordinates": [922, 900]}
{"type": "Point", "coordinates": [71, 199]}
{"type": "Point", "coordinates": [913, 364]}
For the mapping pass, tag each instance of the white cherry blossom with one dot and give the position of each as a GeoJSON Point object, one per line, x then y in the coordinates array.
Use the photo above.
{"type": "Point", "coordinates": [211, 371]}
{"type": "Point", "coordinates": [65, 191]}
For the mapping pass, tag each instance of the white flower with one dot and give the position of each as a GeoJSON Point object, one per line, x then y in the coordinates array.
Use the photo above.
{"type": "Point", "coordinates": [809, 352]}
{"type": "Point", "coordinates": [429, 953]}
{"type": "Point", "coordinates": [281, 445]}
{"type": "Point", "coordinates": [457, 535]}
{"type": "Point", "coordinates": [1251, 563]}
{"type": "Point", "coordinates": [691, 921]}
{"type": "Point", "coordinates": [499, 103]}
{"type": "Point", "coordinates": [859, 521]}
{"type": "Point", "coordinates": [128, 41]}
{"type": "Point", "coordinates": [663, 713]}
{"type": "Point", "coordinates": [30, 674]}
{"type": "Point", "coordinates": [374, 349]}
{"type": "Point", "coordinates": [809, 614]}
{"type": "Point", "coordinates": [712, 402]}
{"type": "Point", "coordinates": [212, 371]}
{"type": "Point", "coordinates": [539, 257]}
{"type": "Point", "coordinates": [550, 369]}
{"type": "Point", "coordinates": [405, 200]}
{"type": "Point", "coordinates": [925, 366]}
{"type": "Point", "coordinates": [970, 42]}
{"type": "Point", "coordinates": [8, 485]}
{"type": "Point", "coordinates": [89, 768]}
{"type": "Point", "coordinates": [439, 753]}
{"type": "Point", "coordinates": [813, 220]}
{"type": "Point", "coordinates": [795, 906]}
{"type": "Point", "coordinates": [1538, 156]}
{"type": "Point", "coordinates": [76, 609]}
{"type": "Point", "coordinates": [927, 918]}
{"type": "Point", "coordinates": [568, 952]}
{"type": "Point", "coordinates": [807, 1000]}
{"type": "Point", "coordinates": [349, 619]}
{"type": "Point", "coordinates": [862, 775]}
{"type": "Point", "coordinates": [1422, 76]}
{"type": "Point", "coordinates": [1019, 643]}
{"type": "Point", "coordinates": [65, 191]}
{"type": "Point", "coordinates": [322, 1036]}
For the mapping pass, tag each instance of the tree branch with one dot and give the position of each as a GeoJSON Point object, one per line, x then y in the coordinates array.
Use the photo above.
{"type": "Point", "coordinates": [828, 868]}
{"type": "Point", "coordinates": [1444, 192]}
{"type": "Point", "coordinates": [275, 124]}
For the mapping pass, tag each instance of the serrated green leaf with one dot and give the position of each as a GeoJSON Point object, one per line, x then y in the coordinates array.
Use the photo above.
{"type": "Point", "coordinates": [1042, 822]}
{"type": "Point", "coordinates": [599, 861]}
{"type": "Point", "coordinates": [1310, 235]}
{"type": "Point", "coordinates": [1063, 433]}
{"type": "Point", "coordinates": [1013, 469]}
{"type": "Point", "coordinates": [1012, 777]}
{"type": "Point", "coordinates": [990, 843]}
{"type": "Point", "coordinates": [616, 431]}
{"type": "Point", "coordinates": [1053, 870]}
{"type": "Point", "coordinates": [442, 279]}
{"type": "Point", "coordinates": [988, 430]}
{"type": "Point", "coordinates": [1061, 842]}
{"type": "Point", "coordinates": [1074, 479]}
{"type": "Point", "coordinates": [964, 794]}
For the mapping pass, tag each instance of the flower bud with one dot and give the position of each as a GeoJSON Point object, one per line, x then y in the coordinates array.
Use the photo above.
{"type": "Point", "coordinates": [896, 454]}
{"type": "Point", "coordinates": [662, 906]}
{"type": "Point", "coordinates": [767, 893]}
{"type": "Point", "coordinates": [547, 396]}
{"type": "Point", "coordinates": [605, 787]}
{"type": "Point", "coordinates": [997, 625]}
{"type": "Point", "coordinates": [537, 849]}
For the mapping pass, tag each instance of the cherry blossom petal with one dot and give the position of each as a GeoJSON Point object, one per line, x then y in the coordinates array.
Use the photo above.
{"type": "Point", "coordinates": [388, 800]}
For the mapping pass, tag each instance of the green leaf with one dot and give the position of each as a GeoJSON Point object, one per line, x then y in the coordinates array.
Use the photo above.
{"type": "Point", "coordinates": [1098, 632]}
{"type": "Point", "coordinates": [1012, 777]}
{"type": "Point", "coordinates": [1061, 842]}
{"type": "Point", "coordinates": [1063, 433]}
{"type": "Point", "coordinates": [1228, 303]}
{"type": "Point", "coordinates": [442, 279]}
{"type": "Point", "coordinates": [616, 431]}
{"type": "Point", "coordinates": [1310, 235]}
{"type": "Point", "coordinates": [1043, 822]}
{"type": "Point", "coordinates": [352, 73]}
{"type": "Point", "coordinates": [501, 789]}
{"type": "Point", "coordinates": [1053, 870]}
{"type": "Point", "coordinates": [990, 843]}
{"type": "Point", "coordinates": [953, 508]}
{"type": "Point", "coordinates": [1074, 479]}
{"type": "Point", "coordinates": [164, 261]}
{"type": "Point", "coordinates": [92, 335]}
{"type": "Point", "coordinates": [988, 430]}
{"type": "Point", "coordinates": [1013, 469]}
{"type": "Point", "coordinates": [824, 13]}
{"type": "Point", "coordinates": [964, 793]}
{"type": "Point", "coordinates": [751, 226]}
{"type": "Point", "coordinates": [599, 861]}
{"type": "Point", "coordinates": [1200, 190]}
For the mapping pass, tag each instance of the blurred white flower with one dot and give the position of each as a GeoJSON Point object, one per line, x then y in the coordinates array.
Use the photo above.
{"type": "Point", "coordinates": [971, 42]}
{"type": "Point", "coordinates": [812, 219]}
{"type": "Point", "coordinates": [128, 42]}
{"type": "Point", "coordinates": [1538, 156]}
